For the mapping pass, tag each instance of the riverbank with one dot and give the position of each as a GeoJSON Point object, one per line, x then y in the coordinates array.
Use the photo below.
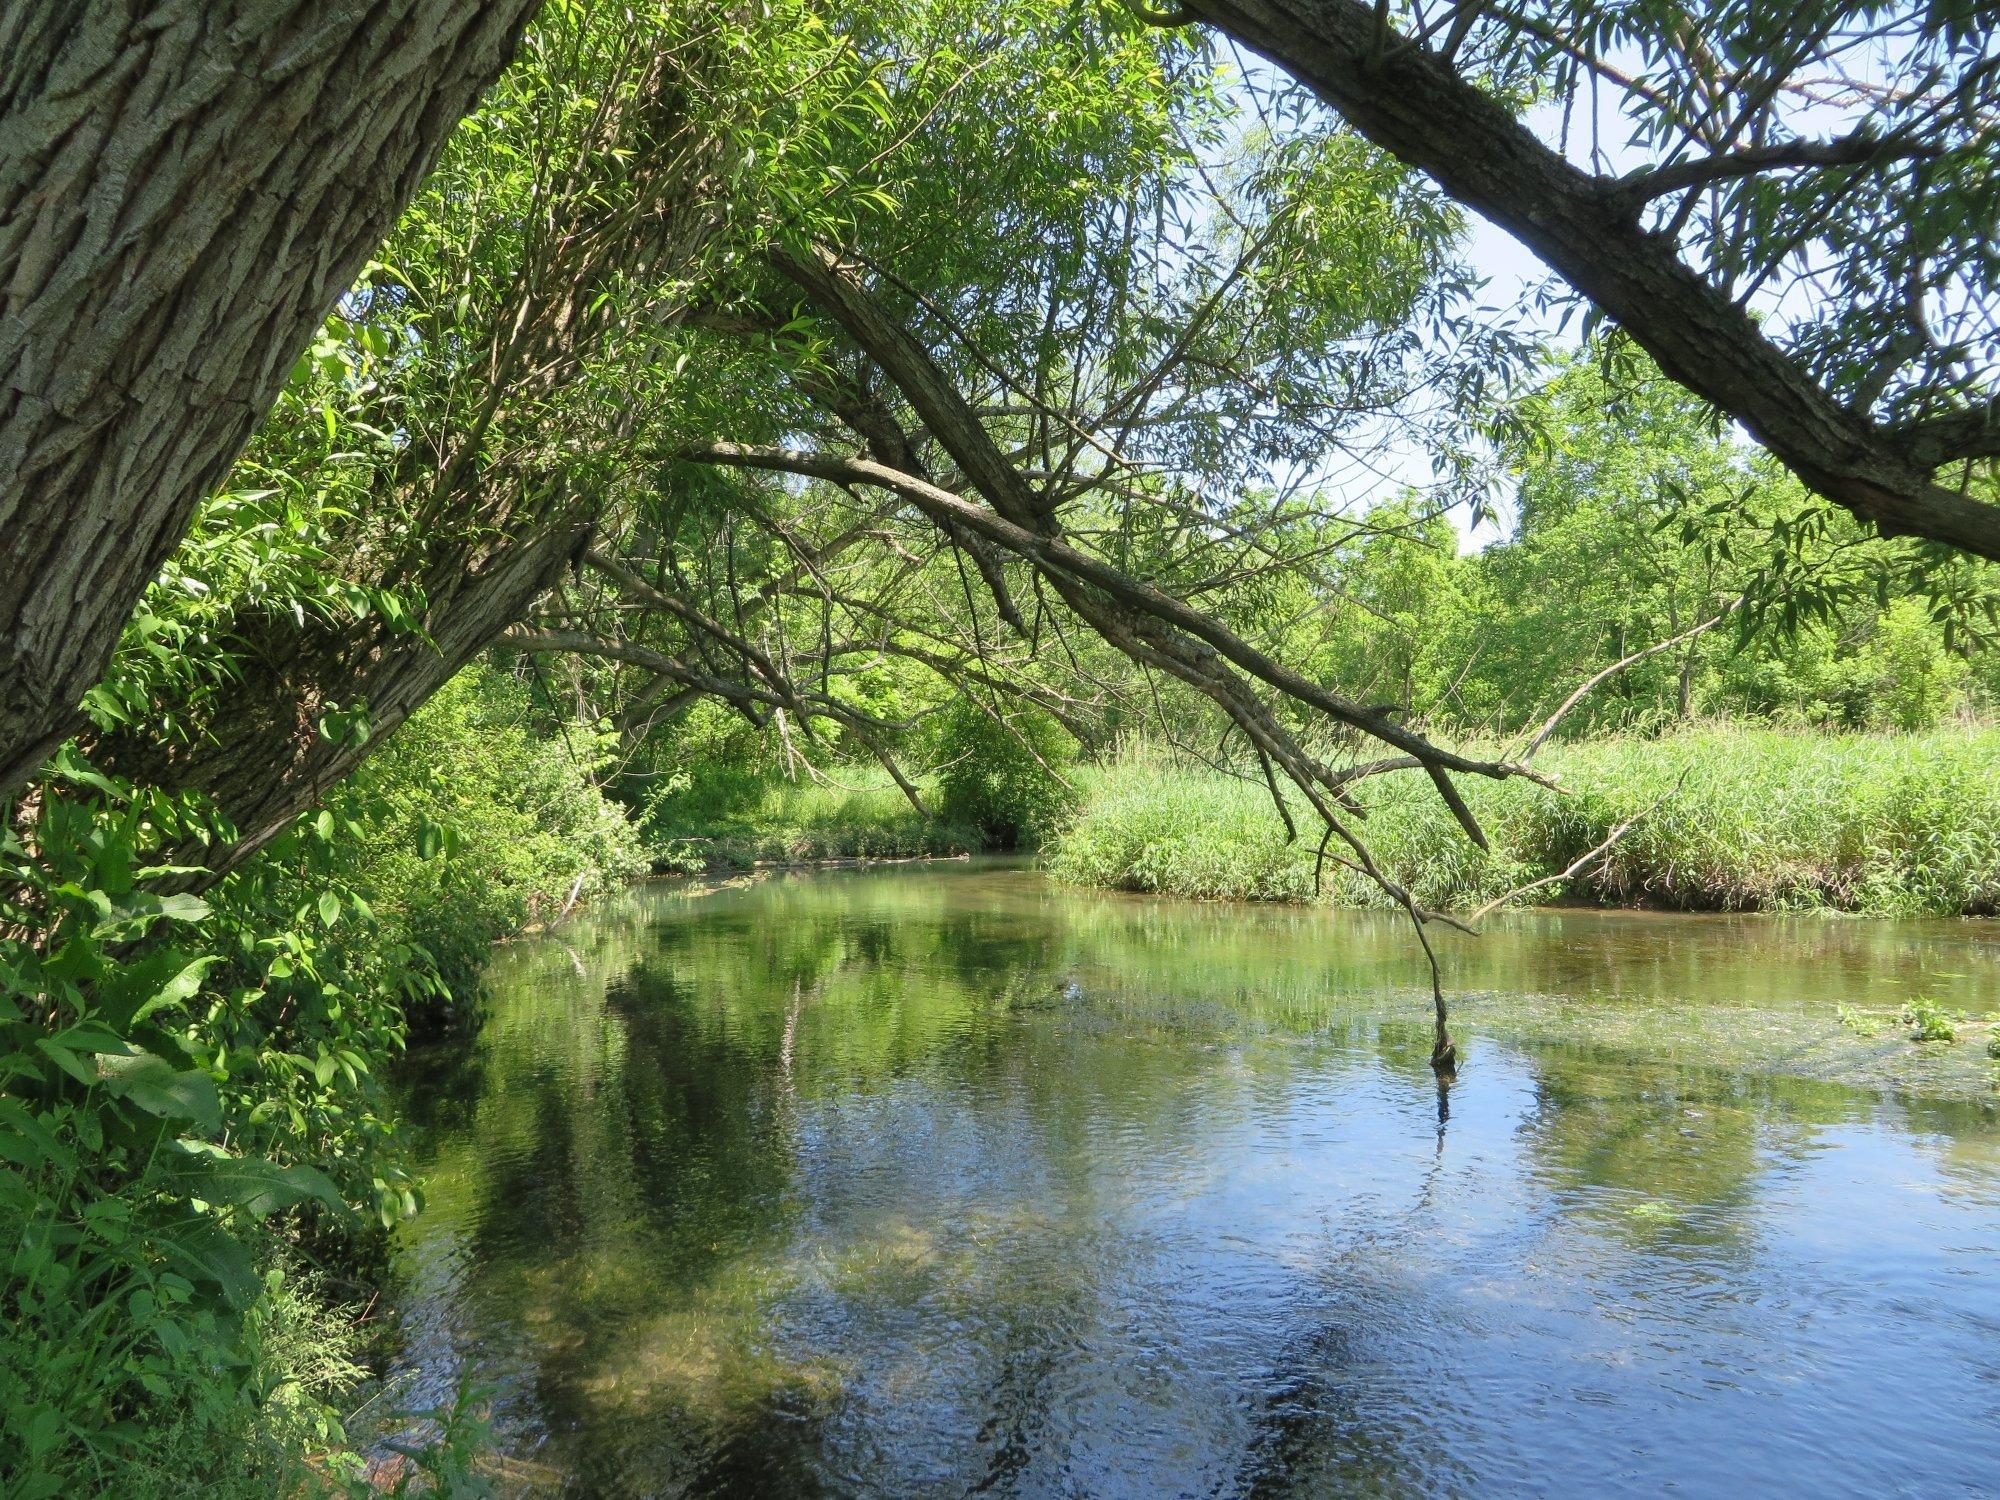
{"type": "Point", "coordinates": [724, 822]}
{"type": "Point", "coordinates": [201, 1217]}
{"type": "Point", "coordinates": [1721, 819]}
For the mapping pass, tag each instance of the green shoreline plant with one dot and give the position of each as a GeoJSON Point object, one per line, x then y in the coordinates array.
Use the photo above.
{"type": "Point", "coordinates": [1728, 818]}
{"type": "Point", "coordinates": [195, 1140]}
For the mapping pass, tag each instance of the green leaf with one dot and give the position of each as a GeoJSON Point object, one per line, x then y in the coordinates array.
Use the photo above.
{"type": "Point", "coordinates": [156, 1086]}
{"type": "Point", "coordinates": [88, 1036]}
{"type": "Point", "coordinates": [24, 1139]}
{"type": "Point", "coordinates": [209, 1254]}
{"type": "Point", "coordinates": [68, 1061]}
{"type": "Point", "coordinates": [260, 1187]}
{"type": "Point", "coordinates": [182, 908]}
{"type": "Point", "coordinates": [178, 990]}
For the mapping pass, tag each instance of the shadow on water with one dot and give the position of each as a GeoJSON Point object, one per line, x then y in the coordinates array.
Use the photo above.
{"type": "Point", "coordinates": [941, 1181]}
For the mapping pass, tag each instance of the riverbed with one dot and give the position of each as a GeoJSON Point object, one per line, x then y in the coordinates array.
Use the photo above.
{"type": "Point", "coordinates": [943, 1180]}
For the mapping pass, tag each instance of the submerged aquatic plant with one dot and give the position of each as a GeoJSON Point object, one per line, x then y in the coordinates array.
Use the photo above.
{"type": "Point", "coordinates": [1860, 1022]}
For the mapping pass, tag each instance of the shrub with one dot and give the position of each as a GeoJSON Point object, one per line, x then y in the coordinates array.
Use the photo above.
{"type": "Point", "coordinates": [1917, 681]}
{"type": "Point", "coordinates": [526, 830]}
{"type": "Point", "coordinates": [1002, 774]}
{"type": "Point", "coordinates": [188, 1084]}
{"type": "Point", "coordinates": [178, 1076]}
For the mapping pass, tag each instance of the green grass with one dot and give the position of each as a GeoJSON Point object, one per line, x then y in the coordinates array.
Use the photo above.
{"type": "Point", "coordinates": [1734, 819]}
{"type": "Point", "coordinates": [728, 820]}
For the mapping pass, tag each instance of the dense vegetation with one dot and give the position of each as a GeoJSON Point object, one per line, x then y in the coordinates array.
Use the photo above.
{"type": "Point", "coordinates": [1714, 818]}
{"type": "Point", "coordinates": [898, 428]}
{"type": "Point", "coordinates": [199, 1142]}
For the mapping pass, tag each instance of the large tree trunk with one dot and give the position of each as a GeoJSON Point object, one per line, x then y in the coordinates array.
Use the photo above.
{"type": "Point", "coordinates": [186, 186]}
{"type": "Point", "coordinates": [501, 485]}
{"type": "Point", "coordinates": [1411, 102]}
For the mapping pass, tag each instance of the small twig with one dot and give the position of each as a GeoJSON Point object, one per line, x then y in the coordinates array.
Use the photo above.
{"type": "Point", "coordinates": [1549, 724]}
{"type": "Point", "coordinates": [1582, 861]}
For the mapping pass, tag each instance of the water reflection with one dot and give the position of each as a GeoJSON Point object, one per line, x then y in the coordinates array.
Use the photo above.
{"type": "Point", "coordinates": [941, 1182]}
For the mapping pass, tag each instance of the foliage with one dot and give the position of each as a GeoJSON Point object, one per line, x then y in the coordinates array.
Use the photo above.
{"type": "Point", "coordinates": [479, 775]}
{"type": "Point", "coordinates": [1173, 307]}
{"type": "Point", "coordinates": [1636, 523]}
{"type": "Point", "coordinates": [1892, 237]}
{"type": "Point", "coordinates": [188, 1084]}
{"type": "Point", "coordinates": [1930, 1022]}
{"type": "Point", "coordinates": [177, 1073]}
{"type": "Point", "coordinates": [1860, 1023]}
{"type": "Point", "coordinates": [727, 817]}
{"type": "Point", "coordinates": [1727, 819]}
{"type": "Point", "coordinates": [1916, 681]}
{"type": "Point", "coordinates": [1001, 774]}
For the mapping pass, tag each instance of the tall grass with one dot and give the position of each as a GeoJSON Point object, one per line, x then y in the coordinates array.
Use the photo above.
{"type": "Point", "coordinates": [1729, 818]}
{"type": "Point", "coordinates": [723, 818]}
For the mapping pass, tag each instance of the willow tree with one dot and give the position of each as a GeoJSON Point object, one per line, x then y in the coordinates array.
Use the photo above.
{"type": "Point", "coordinates": [440, 455]}
{"type": "Point", "coordinates": [1090, 341]}
{"type": "Point", "coordinates": [478, 401]}
{"type": "Point", "coordinates": [185, 189]}
{"type": "Point", "coordinates": [1030, 302]}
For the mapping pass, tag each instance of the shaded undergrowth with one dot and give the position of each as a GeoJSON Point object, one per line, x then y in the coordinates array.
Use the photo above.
{"type": "Point", "coordinates": [723, 819]}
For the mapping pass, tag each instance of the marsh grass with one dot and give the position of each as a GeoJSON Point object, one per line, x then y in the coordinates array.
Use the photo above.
{"type": "Point", "coordinates": [1734, 819]}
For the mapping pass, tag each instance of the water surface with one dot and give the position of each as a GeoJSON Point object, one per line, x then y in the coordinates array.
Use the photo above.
{"type": "Point", "coordinates": [943, 1181]}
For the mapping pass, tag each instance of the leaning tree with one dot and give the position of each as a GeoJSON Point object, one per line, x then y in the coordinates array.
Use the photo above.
{"type": "Point", "coordinates": [185, 189]}
{"type": "Point", "coordinates": [1108, 375]}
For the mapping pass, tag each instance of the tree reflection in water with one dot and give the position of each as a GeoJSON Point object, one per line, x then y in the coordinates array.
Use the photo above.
{"type": "Point", "coordinates": [946, 1182]}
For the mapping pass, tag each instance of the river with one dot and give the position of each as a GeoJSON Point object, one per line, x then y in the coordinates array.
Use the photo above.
{"type": "Point", "coordinates": [942, 1180]}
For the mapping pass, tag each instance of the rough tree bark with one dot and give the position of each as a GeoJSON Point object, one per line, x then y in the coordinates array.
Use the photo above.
{"type": "Point", "coordinates": [1410, 101]}
{"type": "Point", "coordinates": [495, 497]}
{"type": "Point", "coordinates": [186, 186]}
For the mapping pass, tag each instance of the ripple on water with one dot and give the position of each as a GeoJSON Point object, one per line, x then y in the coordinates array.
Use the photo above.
{"type": "Point", "coordinates": [924, 1183]}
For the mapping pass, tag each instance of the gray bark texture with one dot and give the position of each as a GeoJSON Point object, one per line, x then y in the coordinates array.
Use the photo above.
{"type": "Point", "coordinates": [186, 187]}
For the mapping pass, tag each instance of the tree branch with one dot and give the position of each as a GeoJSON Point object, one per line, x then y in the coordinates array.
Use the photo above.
{"type": "Point", "coordinates": [1417, 106]}
{"type": "Point", "coordinates": [1059, 557]}
{"type": "Point", "coordinates": [1548, 725]}
{"type": "Point", "coordinates": [1937, 441]}
{"type": "Point", "coordinates": [1849, 151]}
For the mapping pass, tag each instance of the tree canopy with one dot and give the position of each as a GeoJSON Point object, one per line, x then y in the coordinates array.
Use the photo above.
{"type": "Point", "coordinates": [1793, 211]}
